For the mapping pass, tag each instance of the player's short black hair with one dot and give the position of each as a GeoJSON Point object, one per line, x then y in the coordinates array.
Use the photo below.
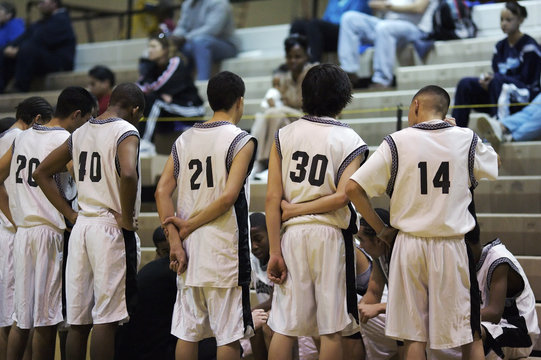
{"type": "Point", "coordinates": [30, 107]}
{"type": "Point", "coordinates": [383, 215]}
{"type": "Point", "coordinates": [224, 89]}
{"type": "Point", "coordinates": [128, 95]}
{"type": "Point", "coordinates": [9, 8]}
{"type": "Point", "coordinates": [294, 40]}
{"type": "Point", "coordinates": [74, 98]}
{"type": "Point", "coordinates": [102, 73]}
{"type": "Point", "coordinates": [516, 9]}
{"type": "Point", "coordinates": [442, 105]}
{"type": "Point", "coordinates": [158, 236]}
{"type": "Point", "coordinates": [257, 220]}
{"type": "Point", "coordinates": [326, 90]}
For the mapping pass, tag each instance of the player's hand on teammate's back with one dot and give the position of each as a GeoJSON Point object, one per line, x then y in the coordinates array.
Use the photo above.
{"type": "Point", "coordinates": [178, 259]}
{"type": "Point", "coordinates": [277, 269]}
{"type": "Point", "coordinates": [450, 120]}
{"type": "Point", "coordinates": [368, 311]}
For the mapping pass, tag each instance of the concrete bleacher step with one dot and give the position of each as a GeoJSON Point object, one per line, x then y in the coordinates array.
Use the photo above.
{"type": "Point", "coordinates": [519, 232]}
{"type": "Point", "coordinates": [8, 102]}
{"type": "Point", "coordinates": [60, 80]}
{"type": "Point", "coordinates": [256, 87]}
{"type": "Point", "coordinates": [445, 75]}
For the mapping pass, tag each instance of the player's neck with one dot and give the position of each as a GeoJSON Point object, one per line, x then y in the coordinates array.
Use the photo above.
{"type": "Point", "coordinates": [56, 122]}
{"type": "Point", "coordinates": [19, 124]}
{"type": "Point", "coordinates": [223, 116]}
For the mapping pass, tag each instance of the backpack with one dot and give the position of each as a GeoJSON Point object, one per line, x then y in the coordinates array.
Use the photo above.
{"type": "Point", "coordinates": [452, 20]}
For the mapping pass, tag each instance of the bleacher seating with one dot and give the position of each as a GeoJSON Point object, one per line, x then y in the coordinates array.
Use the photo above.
{"type": "Point", "coordinates": [508, 208]}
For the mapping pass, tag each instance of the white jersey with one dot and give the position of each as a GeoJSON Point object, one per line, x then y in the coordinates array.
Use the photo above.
{"type": "Point", "coordinates": [28, 204]}
{"type": "Point", "coordinates": [520, 308]}
{"type": "Point", "coordinates": [218, 252]}
{"type": "Point", "coordinates": [6, 141]}
{"type": "Point", "coordinates": [260, 280]}
{"type": "Point", "coordinates": [93, 148]}
{"type": "Point", "coordinates": [315, 151]}
{"type": "Point", "coordinates": [429, 171]}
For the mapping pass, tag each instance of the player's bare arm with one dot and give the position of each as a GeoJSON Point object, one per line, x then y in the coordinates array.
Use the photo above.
{"type": "Point", "coordinates": [166, 209]}
{"type": "Point", "coordinates": [360, 199]}
{"type": "Point", "coordinates": [127, 157]}
{"type": "Point", "coordinates": [370, 305]}
{"type": "Point", "coordinates": [498, 292]}
{"type": "Point", "coordinates": [276, 268]}
{"type": "Point", "coordinates": [235, 182]}
{"type": "Point", "coordinates": [5, 163]}
{"type": "Point", "coordinates": [325, 203]}
{"type": "Point", "coordinates": [54, 163]}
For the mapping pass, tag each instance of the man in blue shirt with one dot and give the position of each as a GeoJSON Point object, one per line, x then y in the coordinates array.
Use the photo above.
{"type": "Point", "coordinates": [47, 46]}
{"type": "Point", "coordinates": [10, 26]}
{"type": "Point", "coordinates": [322, 34]}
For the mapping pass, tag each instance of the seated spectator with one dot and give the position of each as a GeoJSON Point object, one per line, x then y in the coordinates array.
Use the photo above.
{"type": "Point", "coordinates": [11, 27]}
{"type": "Point", "coordinates": [404, 22]}
{"type": "Point", "coordinates": [169, 92]}
{"type": "Point", "coordinates": [289, 86]}
{"type": "Point", "coordinates": [102, 82]}
{"type": "Point", "coordinates": [524, 125]}
{"type": "Point", "coordinates": [47, 46]}
{"type": "Point", "coordinates": [516, 60]}
{"type": "Point", "coordinates": [148, 334]}
{"type": "Point", "coordinates": [509, 323]}
{"type": "Point", "coordinates": [205, 33]}
{"type": "Point", "coordinates": [322, 34]}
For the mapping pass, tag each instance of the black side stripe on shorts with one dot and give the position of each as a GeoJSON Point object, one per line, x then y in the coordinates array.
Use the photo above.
{"type": "Point", "coordinates": [394, 164]}
{"type": "Point", "coordinates": [475, 296]}
{"type": "Point", "coordinates": [130, 244]}
{"type": "Point", "coordinates": [351, 293]}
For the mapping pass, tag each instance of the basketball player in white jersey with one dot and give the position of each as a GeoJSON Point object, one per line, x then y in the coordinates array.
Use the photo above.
{"type": "Point", "coordinates": [40, 227]}
{"type": "Point", "coordinates": [310, 162]}
{"type": "Point", "coordinates": [209, 166]}
{"type": "Point", "coordinates": [32, 109]}
{"type": "Point", "coordinates": [102, 261]}
{"type": "Point", "coordinates": [429, 170]}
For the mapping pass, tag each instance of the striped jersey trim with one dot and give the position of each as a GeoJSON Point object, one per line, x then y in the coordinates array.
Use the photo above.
{"type": "Point", "coordinates": [485, 251]}
{"type": "Point", "coordinates": [436, 126]}
{"type": "Point", "coordinates": [103, 121]}
{"type": "Point", "coordinates": [394, 164]}
{"type": "Point", "coordinates": [120, 139]}
{"type": "Point", "coordinates": [70, 146]}
{"type": "Point", "coordinates": [277, 141]}
{"type": "Point", "coordinates": [46, 128]}
{"type": "Point", "coordinates": [209, 125]}
{"type": "Point", "coordinates": [176, 164]}
{"type": "Point", "coordinates": [231, 150]}
{"type": "Point", "coordinates": [471, 161]}
{"type": "Point", "coordinates": [324, 120]}
{"type": "Point", "coordinates": [360, 150]}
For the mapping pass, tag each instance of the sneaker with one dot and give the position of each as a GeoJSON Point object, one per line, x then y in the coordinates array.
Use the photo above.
{"type": "Point", "coordinates": [491, 129]}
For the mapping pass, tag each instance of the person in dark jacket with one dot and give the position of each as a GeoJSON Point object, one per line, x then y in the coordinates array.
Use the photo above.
{"type": "Point", "coordinates": [47, 46]}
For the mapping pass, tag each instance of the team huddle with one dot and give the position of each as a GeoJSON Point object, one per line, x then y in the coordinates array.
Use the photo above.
{"type": "Point", "coordinates": [71, 176]}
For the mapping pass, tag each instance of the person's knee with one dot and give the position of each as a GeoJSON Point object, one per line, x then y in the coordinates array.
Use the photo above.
{"type": "Point", "coordinates": [201, 42]}
{"type": "Point", "coordinates": [384, 28]}
{"type": "Point", "coordinates": [465, 84]}
{"type": "Point", "coordinates": [350, 18]}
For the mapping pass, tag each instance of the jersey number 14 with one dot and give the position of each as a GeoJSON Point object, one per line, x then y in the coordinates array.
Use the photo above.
{"type": "Point", "coordinates": [440, 180]}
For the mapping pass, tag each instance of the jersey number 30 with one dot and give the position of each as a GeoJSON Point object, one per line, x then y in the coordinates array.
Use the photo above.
{"type": "Point", "coordinates": [315, 177]}
{"type": "Point", "coordinates": [440, 180]}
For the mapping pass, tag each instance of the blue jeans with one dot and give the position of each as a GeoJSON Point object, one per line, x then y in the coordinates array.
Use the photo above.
{"type": "Point", "coordinates": [386, 35]}
{"type": "Point", "coordinates": [206, 49]}
{"type": "Point", "coordinates": [526, 124]}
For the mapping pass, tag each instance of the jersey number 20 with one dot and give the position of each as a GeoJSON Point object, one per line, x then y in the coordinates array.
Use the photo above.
{"type": "Point", "coordinates": [33, 163]}
{"type": "Point", "coordinates": [440, 180]}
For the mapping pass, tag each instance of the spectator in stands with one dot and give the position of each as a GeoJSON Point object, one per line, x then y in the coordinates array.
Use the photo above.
{"type": "Point", "coordinates": [524, 125]}
{"type": "Point", "coordinates": [322, 34]}
{"type": "Point", "coordinates": [289, 85]}
{"type": "Point", "coordinates": [47, 46]}
{"type": "Point", "coordinates": [11, 27]}
{"type": "Point", "coordinates": [101, 84]}
{"type": "Point", "coordinates": [205, 33]}
{"type": "Point", "coordinates": [403, 22]}
{"type": "Point", "coordinates": [509, 323]}
{"type": "Point", "coordinates": [169, 92]}
{"type": "Point", "coordinates": [516, 60]}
